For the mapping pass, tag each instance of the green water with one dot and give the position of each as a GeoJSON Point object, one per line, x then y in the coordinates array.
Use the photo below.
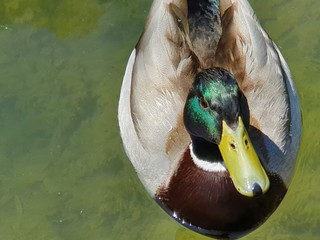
{"type": "Point", "coordinates": [63, 172]}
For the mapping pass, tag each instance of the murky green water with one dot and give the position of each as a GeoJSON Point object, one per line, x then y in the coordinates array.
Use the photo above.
{"type": "Point", "coordinates": [63, 172]}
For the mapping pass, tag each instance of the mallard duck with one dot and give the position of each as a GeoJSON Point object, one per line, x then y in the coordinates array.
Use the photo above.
{"type": "Point", "coordinates": [209, 115]}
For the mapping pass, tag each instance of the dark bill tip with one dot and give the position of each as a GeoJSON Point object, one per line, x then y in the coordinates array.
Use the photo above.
{"type": "Point", "coordinates": [257, 190]}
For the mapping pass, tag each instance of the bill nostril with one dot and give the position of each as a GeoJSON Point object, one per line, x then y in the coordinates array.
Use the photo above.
{"type": "Point", "coordinates": [233, 146]}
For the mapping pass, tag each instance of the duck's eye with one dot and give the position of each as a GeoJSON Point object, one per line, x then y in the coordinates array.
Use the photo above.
{"type": "Point", "coordinates": [204, 103]}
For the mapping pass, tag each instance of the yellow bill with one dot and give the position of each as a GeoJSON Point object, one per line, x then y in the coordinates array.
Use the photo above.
{"type": "Point", "coordinates": [242, 161]}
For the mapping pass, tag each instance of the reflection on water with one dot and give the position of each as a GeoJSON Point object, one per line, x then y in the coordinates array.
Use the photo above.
{"type": "Point", "coordinates": [63, 173]}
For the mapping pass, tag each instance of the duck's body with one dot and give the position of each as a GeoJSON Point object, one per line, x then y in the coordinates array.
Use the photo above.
{"type": "Point", "coordinates": [178, 44]}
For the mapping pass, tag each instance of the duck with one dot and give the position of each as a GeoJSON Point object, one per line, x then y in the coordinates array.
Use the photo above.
{"type": "Point", "coordinates": [209, 116]}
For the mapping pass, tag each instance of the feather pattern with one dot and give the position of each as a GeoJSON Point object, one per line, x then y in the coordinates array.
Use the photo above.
{"type": "Point", "coordinates": [162, 68]}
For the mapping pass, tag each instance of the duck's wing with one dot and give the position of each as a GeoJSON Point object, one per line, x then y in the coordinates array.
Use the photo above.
{"type": "Point", "coordinates": [158, 78]}
{"type": "Point", "coordinates": [246, 50]}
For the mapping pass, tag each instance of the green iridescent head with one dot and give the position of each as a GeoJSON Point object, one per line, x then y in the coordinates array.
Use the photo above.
{"type": "Point", "coordinates": [214, 97]}
{"type": "Point", "coordinates": [212, 114]}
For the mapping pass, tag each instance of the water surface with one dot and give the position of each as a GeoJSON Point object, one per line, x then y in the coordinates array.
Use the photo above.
{"type": "Point", "coordinates": [63, 172]}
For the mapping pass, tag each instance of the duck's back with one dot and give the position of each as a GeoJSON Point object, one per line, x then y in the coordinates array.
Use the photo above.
{"type": "Point", "coordinates": [162, 68]}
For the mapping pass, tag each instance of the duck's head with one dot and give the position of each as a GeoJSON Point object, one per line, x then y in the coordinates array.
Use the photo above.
{"type": "Point", "coordinates": [213, 115]}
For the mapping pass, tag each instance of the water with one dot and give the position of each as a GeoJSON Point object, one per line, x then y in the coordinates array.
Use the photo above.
{"type": "Point", "coordinates": [63, 172]}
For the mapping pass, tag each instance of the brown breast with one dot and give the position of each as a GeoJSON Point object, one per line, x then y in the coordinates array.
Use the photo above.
{"type": "Point", "coordinates": [207, 202]}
